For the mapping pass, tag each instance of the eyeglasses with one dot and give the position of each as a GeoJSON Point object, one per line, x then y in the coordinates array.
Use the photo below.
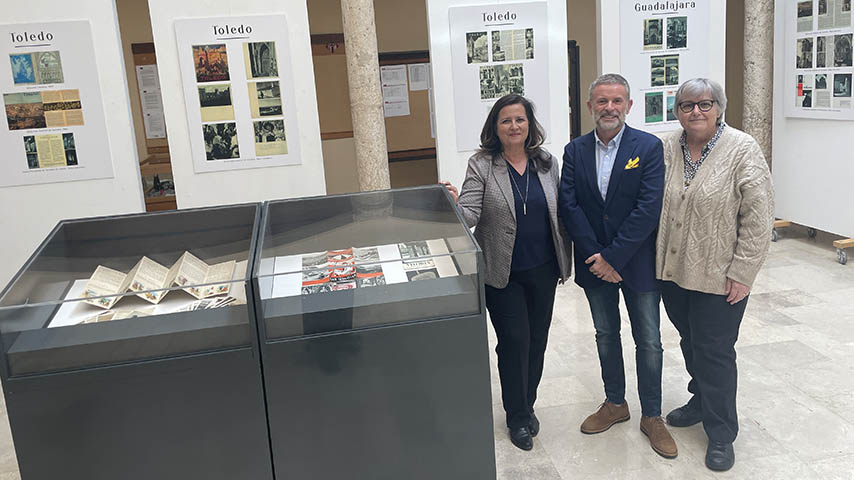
{"type": "Point", "coordinates": [704, 105]}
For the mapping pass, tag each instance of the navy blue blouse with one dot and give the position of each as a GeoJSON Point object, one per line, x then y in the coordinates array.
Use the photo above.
{"type": "Point", "coordinates": [534, 245]}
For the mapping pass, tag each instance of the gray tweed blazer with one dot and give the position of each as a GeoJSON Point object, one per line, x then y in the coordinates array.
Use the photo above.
{"type": "Point", "coordinates": [486, 202]}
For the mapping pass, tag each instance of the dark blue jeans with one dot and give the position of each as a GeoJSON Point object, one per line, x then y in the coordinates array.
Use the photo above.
{"type": "Point", "coordinates": [645, 320]}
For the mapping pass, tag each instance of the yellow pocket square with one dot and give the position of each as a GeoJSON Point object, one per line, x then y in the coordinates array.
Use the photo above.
{"type": "Point", "coordinates": [633, 163]}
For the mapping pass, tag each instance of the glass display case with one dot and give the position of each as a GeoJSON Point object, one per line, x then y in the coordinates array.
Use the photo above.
{"type": "Point", "coordinates": [371, 319]}
{"type": "Point", "coordinates": [132, 332]}
{"type": "Point", "coordinates": [355, 261]}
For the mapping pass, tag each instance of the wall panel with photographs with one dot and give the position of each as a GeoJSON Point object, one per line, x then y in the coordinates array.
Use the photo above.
{"type": "Point", "coordinates": [238, 89]}
{"type": "Point", "coordinates": [811, 146]}
{"type": "Point", "coordinates": [497, 50]}
{"type": "Point", "coordinates": [54, 128]}
{"type": "Point", "coordinates": [662, 44]}
{"type": "Point", "coordinates": [819, 67]}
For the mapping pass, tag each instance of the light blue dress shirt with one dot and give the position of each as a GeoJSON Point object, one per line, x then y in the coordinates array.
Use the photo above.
{"type": "Point", "coordinates": [605, 156]}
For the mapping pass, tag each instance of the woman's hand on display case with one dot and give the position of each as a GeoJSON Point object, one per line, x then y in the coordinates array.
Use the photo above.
{"type": "Point", "coordinates": [452, 189]}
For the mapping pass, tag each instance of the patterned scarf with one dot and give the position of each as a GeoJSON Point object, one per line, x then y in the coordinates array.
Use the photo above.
{"type": "Point", "coordinates": [692, 168]}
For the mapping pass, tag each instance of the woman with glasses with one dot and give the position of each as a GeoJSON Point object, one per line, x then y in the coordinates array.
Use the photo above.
{"type": "Point", "coordinates": [509, 196]}
{"type": "Point", "coordinates": [713, 236]}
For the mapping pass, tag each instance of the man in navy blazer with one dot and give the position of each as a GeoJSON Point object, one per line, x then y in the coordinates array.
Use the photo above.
{"type": "Point", "coordinates": [610, 200]}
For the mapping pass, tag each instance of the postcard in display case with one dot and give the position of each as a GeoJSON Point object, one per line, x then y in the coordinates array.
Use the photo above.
{"type": "Point", "coordinates": [105, 285]}
{"type": "Point", "coordinates": [344, 262]}
{"type": "Point", "coordinates": [361, 267]}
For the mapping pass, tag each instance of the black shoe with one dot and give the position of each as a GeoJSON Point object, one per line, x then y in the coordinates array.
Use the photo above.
{"type": "Point", "coordinates": [720, 456]}
{"type": "Point", "coordinates": [534, 425]}
{"type": "Point", "coordinates": [521, 437]}
{"type": "Point", "coordinates": [685, 416]}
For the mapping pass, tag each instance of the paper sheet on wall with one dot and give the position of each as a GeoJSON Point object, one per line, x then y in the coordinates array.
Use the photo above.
{"type": "Point", "coordinates": [396, 109]}
{"type": "Point", "coordinates": [151, 101]}
{"type": "Point", "coordinates": [395, 92]}
{"type": "Point", "coordinates": [419, 76]}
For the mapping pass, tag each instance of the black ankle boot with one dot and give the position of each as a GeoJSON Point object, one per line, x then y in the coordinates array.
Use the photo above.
{"type": "Point", "coordinates": [720, 456]}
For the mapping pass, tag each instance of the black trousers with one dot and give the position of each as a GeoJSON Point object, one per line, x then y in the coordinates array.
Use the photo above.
{"type": "Point", "coordinates": [708, 326]}
{"type": "Point", "coordinates": [521, 314]}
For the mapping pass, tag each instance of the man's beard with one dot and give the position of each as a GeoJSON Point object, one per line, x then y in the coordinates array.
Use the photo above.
{"type": "Point", "coordinates": [610, 122]}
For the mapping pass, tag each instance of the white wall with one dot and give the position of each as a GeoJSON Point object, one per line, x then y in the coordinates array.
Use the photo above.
{"type": "Point", "coordinates": [451, 163]}
{"type": "Point", "coordinates": [249, 185]}
{"type": "Point", "coordinates": [812, 160]}
{"type": "Point", "coordinates": [30, 212]}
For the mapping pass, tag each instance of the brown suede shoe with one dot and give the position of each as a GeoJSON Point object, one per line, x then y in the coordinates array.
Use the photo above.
{"type": "Point", "coordinates": [659, 438]}
{"type": "Point", "coordinates": [607, 415]}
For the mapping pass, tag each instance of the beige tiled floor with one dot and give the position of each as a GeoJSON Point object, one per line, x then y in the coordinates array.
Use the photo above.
{"type": "Point", "coordinates": [796, 386]}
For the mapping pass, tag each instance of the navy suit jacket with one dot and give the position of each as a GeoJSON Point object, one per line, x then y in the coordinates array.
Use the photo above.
{"type": "Point", "coordinates": [623, 227]}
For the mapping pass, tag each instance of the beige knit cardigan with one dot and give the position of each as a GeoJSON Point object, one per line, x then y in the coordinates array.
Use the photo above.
{"type": "Point", "coordinates": [721, 225]}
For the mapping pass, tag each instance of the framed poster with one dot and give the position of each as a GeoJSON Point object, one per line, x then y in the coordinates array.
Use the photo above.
{"type": "Point", "coordinates": [662, 44]}
{"type": "Point", "coordinates": [239, 93]}
{"type": "Point", "coordinates": [819, 67]}
{"type": "Point", "coordinates": [54, 128]}
{"type": "Point", "coordinates": [496, 50]}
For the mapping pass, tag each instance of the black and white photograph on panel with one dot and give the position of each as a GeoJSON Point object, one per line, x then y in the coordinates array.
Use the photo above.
{"type": "Point", "coordinates": [499, 80]}
{"type": "Point", "coordinates": [70, 149]}
{"type": "Point", "coordinates": [529, 43]}
{"type": "Point", "coordinates": [821, 52]}
{"type": "Point", "coordinates": [804, 53]}
{"type": "Point", "coordinates": [807, 100]}
{"type": "Point", "coordinates": [677, 32]}
{"type": "Point", "coordinates": [221, 141]}
{"type": "Point", "coordinates": [32, 154]}
{"type": "Point", "coordinates": [260, 58]}
{"type": "Point", "coordinates": [512, 45]}
{"type": "Point", "coordinates": [653, 37]}
{"type": "Point", "coordinates": [265, 99]}
{"type": "Point", "coordinates": [842, 51]}
{"type": "Point", "coordinates": [842, 85]}
{"type": "Point", "coordinates": [805, 16]}
{"type": "Point", "coordinates": [477, 47]}
{"type": "Point", "coordinates": [671, 70]}
{"type": "Point", "coordinates": [270, 137]}
{"type": "Point", "coordinates": [821, 81]}
{"type": "Point", "coordinates": [215, 102]}
{"type": "Point", "coordinates": [656, 71]}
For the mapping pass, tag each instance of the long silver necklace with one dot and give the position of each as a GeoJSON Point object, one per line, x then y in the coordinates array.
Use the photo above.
{"type": "Point", "coordinates": [527, 182]}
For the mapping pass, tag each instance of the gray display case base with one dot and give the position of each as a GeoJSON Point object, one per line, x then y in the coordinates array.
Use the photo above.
{"type": "Point", "coordinates": [406, 401]}
{"type": "Point", "coordinates": [195, 417]}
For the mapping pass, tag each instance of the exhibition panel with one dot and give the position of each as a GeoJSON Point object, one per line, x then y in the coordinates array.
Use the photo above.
{"type": "Point", "coordinates": [374, 337]}
{"type": "Point", "coordinates": [127, 337]}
